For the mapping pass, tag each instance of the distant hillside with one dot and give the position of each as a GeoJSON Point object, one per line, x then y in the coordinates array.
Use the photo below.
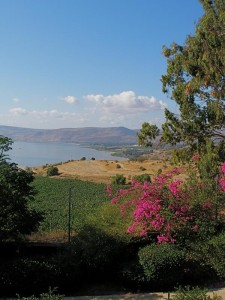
{"type": "Point", "coordinates": [86, 135]}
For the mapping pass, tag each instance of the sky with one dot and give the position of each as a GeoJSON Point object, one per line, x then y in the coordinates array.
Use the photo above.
{"type": "Point", "coordinates": [88, 63]}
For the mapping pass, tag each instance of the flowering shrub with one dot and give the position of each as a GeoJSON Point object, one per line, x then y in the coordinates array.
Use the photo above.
{"type": "Point", "coordinates": [170, 207]}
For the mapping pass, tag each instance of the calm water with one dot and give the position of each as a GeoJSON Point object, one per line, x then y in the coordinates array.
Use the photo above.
{"type": "Point", "coordinates": [35, 154]}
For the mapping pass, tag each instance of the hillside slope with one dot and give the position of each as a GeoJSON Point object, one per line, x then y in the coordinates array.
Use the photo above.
{"type": "Point", "coordinates": [102, 171]}
{"type": "Point", "coordinates": [86, 135]}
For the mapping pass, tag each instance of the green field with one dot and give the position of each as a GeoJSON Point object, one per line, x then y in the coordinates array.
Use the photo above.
{"type": "Point", "coordinates": [53, 196]}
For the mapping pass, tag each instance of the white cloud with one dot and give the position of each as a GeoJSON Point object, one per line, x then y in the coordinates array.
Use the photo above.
{"type": "Point", "coordinates": [122, 109]}
{"type": "Point", "coordinates": [18, 111]}
{"type": "Point", "coordinates": [70, 99]}
{"type": "Point", "coordinates": [16, 100]}
{"type": "Point", "coordinates": [46, 116]}
{"type": "Point", "coordinates": [126, 102]}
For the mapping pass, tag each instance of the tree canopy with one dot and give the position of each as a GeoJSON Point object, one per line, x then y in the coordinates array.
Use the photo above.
{"type": "Point", "coordinates": [16, 216]}
{"type": "Point", "coordinates": [195, 80]}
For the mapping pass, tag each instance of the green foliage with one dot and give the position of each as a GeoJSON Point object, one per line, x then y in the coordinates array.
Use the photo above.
{"type": "Point", "coordinates": [5, 146]}
{"type": "Point", "coordinates": [52, 171]}
{"type": "Point", "coordinates": [27, 275]}
{"type": "Point", "coordinates": [107, 255]}
{"type": "Point", "coordinates": [159, 171]}
{"type": "Point", "coordinates": [191, 212]}
{"type": "Point", "coordinates": [143, 178]}
{"type": "Point", "coordinates": [119, 179]}
{"type": "Point", "coordinates": [181, 155]}
{"type": "Point", "coordinates": [195, 81]}
{"type": "Point", "coordinates": [131, 152]}
{"type": "Point", "coordinates": [208, 164]}
{"type": "Point", "coordinates": [133, 277]}
{"type": "Point", "coordinates": [16, 216]}
{"type": "Point", "coordinates": [147, 134]}
{"type": "Point", "coordinates": [159, 260]}
{"type": "Point", "coordinates": [83, 158]}
{"type": "Point", "coordinates": [214, 253]}
{"type": "Point", "coordinates": [51, 295]}
{"type": "Point", "coordinates": [107, 218]}
{"type": "Point", "coordinates": [194, 294]}
{"type": "Point", "coordinates": [97, 251]}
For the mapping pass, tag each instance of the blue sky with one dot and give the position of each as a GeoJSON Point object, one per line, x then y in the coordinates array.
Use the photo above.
{"type": "Point", "coordinates": [81, 63]}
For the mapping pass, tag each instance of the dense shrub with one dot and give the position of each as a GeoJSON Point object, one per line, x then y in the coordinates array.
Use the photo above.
{"type": "Point", "coordinates": [143, 177]}
{"type": "Point", "coordinates": [119, 179]}
{"type": "Point", "coordinates": [97, 252]}
{"type": "Point", "coordinates": [179, 211]}
{"type": "Point", "coordinates": [34, 274]}
{"type": "Point", "coordinates": [17, 218]}
{"type": "Point", "coordinates": [27, 275]}
{"type": "Point", "coordinates": [52, 171]}
{"type": "Point", "coordinates": [214, 252]}
{"type": "Point", "coordinates": [182, 216]}
{"type": "Point", "coordinates": [194, 294]}
{"type": "Point", "coordinates": [142, 168]}
{"type": "Point", "coordinates": [132, 276]}
{"type": "Point", "coordinates": [50, 295]}
{"type": "Point", "coordinates": [162, 264]}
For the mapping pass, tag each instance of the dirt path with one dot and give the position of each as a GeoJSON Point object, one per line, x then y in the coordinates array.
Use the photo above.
{"type": "Point", "coordinates": [150, 296]}
{"type": "Point", "coordinates": [128, 296]}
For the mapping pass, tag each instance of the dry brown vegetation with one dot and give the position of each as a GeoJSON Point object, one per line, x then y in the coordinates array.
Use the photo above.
{"type": "Point", "coordinates": [103, 170]}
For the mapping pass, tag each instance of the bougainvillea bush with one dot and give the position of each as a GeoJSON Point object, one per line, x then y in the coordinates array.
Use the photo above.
{"type": "Point", "coordinates": [184, 212]}
{"type": "Point", "coordinates": [171, 207]}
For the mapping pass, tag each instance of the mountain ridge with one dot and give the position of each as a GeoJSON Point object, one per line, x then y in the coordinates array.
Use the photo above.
{"type": "Point", "coordinates": [83, 135]}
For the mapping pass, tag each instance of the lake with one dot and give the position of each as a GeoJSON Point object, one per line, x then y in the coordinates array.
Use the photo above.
{"type": "Point", "coordinates": [28, 154]}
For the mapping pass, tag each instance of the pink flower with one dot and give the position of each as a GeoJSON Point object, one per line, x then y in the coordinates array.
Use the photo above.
{"type": "Point", "coordinates": [185, 208]}
{"type": "Point", "coordinates": [223, 168]}
{"type": "Point", "coordinates": [151, 207]}
{"type": "Point", "coordinates": [162, 239]}
{"type": "Point", "coordinates": [143, 232]}
{"type": "Point", "coordinates": [130, 229]}
{"type": "Point", "coordinates": [173, 186]}
{"type": "Point", "coordinates": [207, 205]}
{"type": "Point", "coordinates": [114, 200]}
{"type": "Point", "coordinates": [196, 157]}
{"type": "Point", "coordinates": [146, 185]}
{"type": "Point", "coordinates": [160, 179]}
{"type": "Point", "coordinates": [222, 183]}
{"type": "Point", "coordinates": [195, 228]}
{"type": "Point", "coordinates": [108, 188]}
